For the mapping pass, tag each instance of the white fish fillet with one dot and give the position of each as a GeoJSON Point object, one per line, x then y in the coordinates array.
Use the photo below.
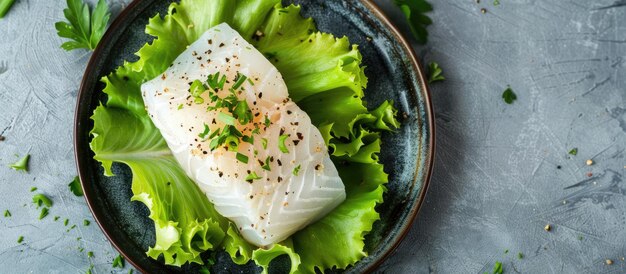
{"type": "Point", "coordinates": [271, 208]}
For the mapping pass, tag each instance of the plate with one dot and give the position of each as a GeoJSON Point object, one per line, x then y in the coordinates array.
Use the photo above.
{"type": "Point", "coordinates": [393, 71]}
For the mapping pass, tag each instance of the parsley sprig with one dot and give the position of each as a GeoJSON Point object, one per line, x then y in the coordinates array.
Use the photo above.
{"type": "Point", "coordinates": [415, 10]}
{"type": "Point", "coordinates": [436, 73]}
{"type": "Point", "coordinates": [84, 28]}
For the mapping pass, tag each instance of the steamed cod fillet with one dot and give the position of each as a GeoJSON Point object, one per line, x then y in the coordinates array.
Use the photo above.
{"type": "Point", "coordinates": [301, 185]}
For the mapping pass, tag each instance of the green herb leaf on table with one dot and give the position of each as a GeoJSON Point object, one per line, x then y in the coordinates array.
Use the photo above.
{"type": "Point", "coordinates": [86, 222]}
{"type": "Point", "coordinates": [20, 239]}
{"type": "Point", "coordinates": [41, 199]}
{"type": "Point", "coordinates": [90, 254]}
{"type": "Point", "coordinates": [520, 255]}
{"type": "Point", "coordinates": [5, 6]}
{"type": "Point", "coordinates": [21, 164]}
{"type": "Point", "coordinates": [509, 96]}
{"type": "Point", "coordinates": [497, 268]}
{"type": "Point", "coordinates": [43, 213]}
{"type": "Point", "coordinates": [84, 27]}
{"type": "Point", "coordinates": [7, 213]}
{"type": "Point", "coordinates": [118, 262]}
{"type": "Point", "coordinates": [574, 151]}
{"type": "Point", "coordinates": [33, 189]}
{"type": "Point", "coordinates": [76, 187]}
{"type": "Point", "coordinates": [414, 11]}
{"type": "Point", "coordinates": [436, 74]}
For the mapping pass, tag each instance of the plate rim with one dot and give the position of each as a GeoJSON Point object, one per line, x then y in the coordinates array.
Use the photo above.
{"type": "Point", "coordinates": [425, 92]}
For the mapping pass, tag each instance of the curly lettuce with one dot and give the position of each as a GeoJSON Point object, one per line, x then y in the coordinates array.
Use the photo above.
{"type": "Point", "coordinates": [325, 78]}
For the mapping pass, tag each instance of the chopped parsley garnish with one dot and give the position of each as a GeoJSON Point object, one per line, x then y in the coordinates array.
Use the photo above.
{"type": "Point", "coordinates": [90, 254]}
{"type": "Point", "coordinates": [281, 143]}
{"type": "Point", "coordinates": [239, 80]}
{"type": "Point", "coordinates": [196, 89]}
{"type": "Point", "coordinates": [20, 239]}
{"type": "Point", "coordinates": [66, 222]}
{"type": "Point", "coordinates": [56, 218]}
{"type": "Point", "coordinates": [40, 199]}
{"type": "Point", "coordinates": [33, 189]}
{"type": "Point", "coordinates": [520, 255]}
{"type": "Point", "coordinates": [21, 164]}
{"type": "Point", "coordinates": [5, 5]}
{"type": "Point", "coordinates": [264, 143]}
{"type": "Point", "coordinates": [118, 261]}
{"type": "Point", "coordinates": [414, 11]}
{"type": "Point", "coordinates": [266, 166]}
{"type": "Point", "coordinates": [436, 74]}
{"type": "Point", "coordinates": [76, 187]}
{"type": "Point", "coordinates": [242, 112]}
{"type": "Point", "coordinates": [574, 151]}
{"type": "Point", "coordinates": [496, 2]}
{"type": "Point", "coordinates": [241, 158]}
{"type": "Point", "coordinates": [86, 222]}
{"type": "Point", "coordinates": [252, 176]}
{"type": "Point", "coordinates": [296, 170]}
{"type": "Point", "coordinates": [226, 118]}
{"type": "Point", "coordinates": [215, 82]}
{"type": "Point", "coordinates": [84, 28]}
{"type": "Point", "coordinates": [267, 122]}
{"type": "Point", "coordinates": [509, 96]}
{"type": "Point", "coordinates": [43, 213]}
{"type": "Point", "coordinates": [206, 131]}
{"type": "Point", "coordinates": [7, 213]}
{"type": "Point", "coordinates": [180, 106]}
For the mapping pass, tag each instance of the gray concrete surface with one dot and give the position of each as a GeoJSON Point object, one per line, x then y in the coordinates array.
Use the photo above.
{"type": "Point", "coordinates": [497, 180]}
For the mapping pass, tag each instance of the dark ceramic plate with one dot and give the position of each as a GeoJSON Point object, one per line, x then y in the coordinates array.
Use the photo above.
{"type": "Point", "coordinates": [393, 72]}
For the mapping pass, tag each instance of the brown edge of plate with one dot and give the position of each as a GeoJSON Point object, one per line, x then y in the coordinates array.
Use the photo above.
{"type": "Point", "coordinates": [430, 155]}
{"type": "Point", "coordinates": [428, 111]}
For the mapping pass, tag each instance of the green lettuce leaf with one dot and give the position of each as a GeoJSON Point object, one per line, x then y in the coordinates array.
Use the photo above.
{"type": "Point", "coordinates": [324, 76]}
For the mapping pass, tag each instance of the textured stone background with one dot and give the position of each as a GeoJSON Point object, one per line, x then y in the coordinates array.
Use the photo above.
{"type": "Point", "coordinates": [496, 183]}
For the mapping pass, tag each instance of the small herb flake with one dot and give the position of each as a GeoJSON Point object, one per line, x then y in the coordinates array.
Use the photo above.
{"type": "Point", "coordinates": [43, 213]}
{"type": "Point", "coordinates": [496, 2]}
{"type": "Point", "coordinates": [40, 199]}
{"type": "Point", "coordinates": [296, 170]}
{"type": "Point", "coordinates": [7, 213]}
{"type": "Point", "coordinates": [76, 187]}
{"type": "Point", "coordinates": [90, 254]}
{"type": "Point", "coordinates": [20, 239]}
{"type": "Point", "coordinates": [436, 74]}
{"type": "Point", "coordinates": [86, 222]}
{"type": "Point", "coordinates": [506, 251]}
{"type": "Point", "coordinates": [241, 158]}
{"type": "Point", "coordinates": [204, 133]}
{"type": "Point", "coordinates": [497, 268]}
{"type": "Point", "coordinates": [180, 106]}
{"type": "Point", "coordinates": [66, 222]}
{"type": "Point", "coordinates": [118, 262]}
{"type": "Point", "coordinates": [574, 151]}
{"type": "Point", "coordinates": [264, 143]}
{"type": "Point", "coordinates": [509, 96]}
{"type": "Point", "coordinates": [5, 5]}
{"type": "Point", "coordinates": [21, 164]}
{"type": "Point", "coordinates": [281, 143]}
{"type": "Point", "coordinates": [252, 176]}
{"type": "Point", "coordinates": [520, 255]}
{"type": "Point", "coordinates": [56, 218]}
{"type": "Point", "coordinates": [32, 189]}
